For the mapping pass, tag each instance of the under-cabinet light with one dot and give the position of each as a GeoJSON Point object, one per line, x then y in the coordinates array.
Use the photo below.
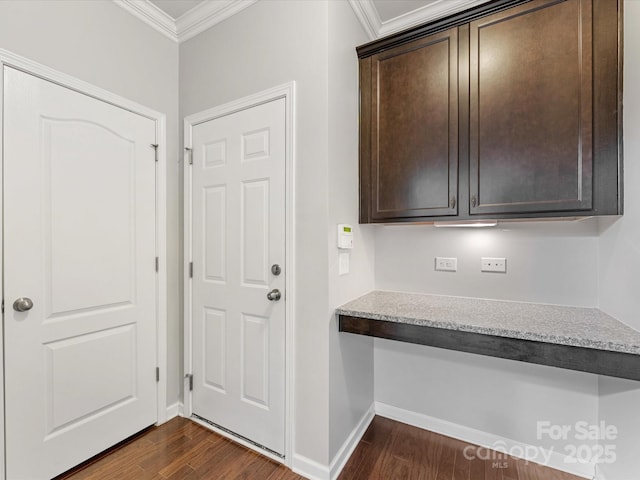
{"type": "Point", "coordinates": [469, 224]}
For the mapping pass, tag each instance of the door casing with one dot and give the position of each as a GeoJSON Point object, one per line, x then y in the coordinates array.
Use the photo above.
{"type": "Point", "coordinates": [18, 62]}
{"type": "Point", "coordinates": [286, 91]}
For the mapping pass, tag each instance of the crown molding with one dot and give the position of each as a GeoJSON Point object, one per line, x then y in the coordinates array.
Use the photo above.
{"type": "Point", "coordinates": [206, 15]}
{"type": "Point", "coordinates": [188, 25]}
{"type": "Point", "coordinates": [426, 14]}
{"type": "Point", "coordinates": [368, 16]}
{"type": "Point", "coordinates": [151, 15]}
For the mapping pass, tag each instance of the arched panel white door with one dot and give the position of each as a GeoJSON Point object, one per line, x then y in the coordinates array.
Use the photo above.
{"type": "Point", "coordinates": [80, 283]}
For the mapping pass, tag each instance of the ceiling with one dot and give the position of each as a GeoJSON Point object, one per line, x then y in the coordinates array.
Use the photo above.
{"type": "Point", "coordinates": [176, 8]}
{"type": "Point", "coordinates": [390, 9]}
{"type": "Point", "coordinates": [183, 19]}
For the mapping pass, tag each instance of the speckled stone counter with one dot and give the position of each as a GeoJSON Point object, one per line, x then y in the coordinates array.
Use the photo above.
{"type": "Point", "coordinates": [583, 339]}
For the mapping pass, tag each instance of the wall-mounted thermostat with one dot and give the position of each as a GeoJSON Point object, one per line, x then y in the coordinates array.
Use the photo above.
{"type": "Point", "coordinates": [345, 236]}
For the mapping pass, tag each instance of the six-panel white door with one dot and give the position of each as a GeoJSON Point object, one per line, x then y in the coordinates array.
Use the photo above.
{"type": "Point", "coordinates": [238, 234]}
{"type": "Point", "coordinates": [79, 196]}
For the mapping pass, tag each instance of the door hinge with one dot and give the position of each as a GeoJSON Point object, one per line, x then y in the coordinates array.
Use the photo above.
{"type": "Point", "coordinates": [155, 148]}
{"type": "Point", "coordinates": [157, 264]}
{"type": "Point", "coordinates": [157, 374]}
{"type": "Point", "coordinates": [190, 269]}
{"type": "Point", "coordinates": [189, 376]}
{"type": "Point", "coordinates": [190, 153]}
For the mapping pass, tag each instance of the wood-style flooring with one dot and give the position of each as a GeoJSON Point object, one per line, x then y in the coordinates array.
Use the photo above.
{"type": "Point", "coordinates": [393, 450]}
{"type": "Point", "coordinates": [183, 450]}
{"type": "Point", "coordinates": [180, 450]}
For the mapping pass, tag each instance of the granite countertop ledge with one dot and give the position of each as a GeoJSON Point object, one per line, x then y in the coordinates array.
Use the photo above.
{"type": "Point", "coordinates": [573, 326]}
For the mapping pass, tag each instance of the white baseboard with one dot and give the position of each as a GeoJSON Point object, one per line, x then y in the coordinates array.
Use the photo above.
{"type": "Point", "coordinates": [315, 471]}
{"type": "Point", "coordinates": [309, 468]}
{"type": "Point", "coordinates": [175, 410]}
{"type": "Point", "coordinates": [350, 444]}
{"type": "Point", "coordinates": [482, 439]}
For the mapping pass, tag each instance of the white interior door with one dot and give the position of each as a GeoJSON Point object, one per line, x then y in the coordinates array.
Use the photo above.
{"type": "Point", "coordinates": [238, 234]}
{"type": "Point", "coordinates": [79, 196]}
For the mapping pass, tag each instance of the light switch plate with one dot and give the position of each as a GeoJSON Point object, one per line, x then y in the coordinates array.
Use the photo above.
{"type": "Point", "coordinates": [496, 265]}
{"type": "Point", "coordinates": [446, 264]}
{"type": "Point", "coordinates": [343, 263]}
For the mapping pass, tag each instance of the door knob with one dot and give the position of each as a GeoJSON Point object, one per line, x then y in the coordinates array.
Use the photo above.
{"type": "Point", "coordinates": [23, 304]}
{"type": "Point", "coordinates": [274, 295]}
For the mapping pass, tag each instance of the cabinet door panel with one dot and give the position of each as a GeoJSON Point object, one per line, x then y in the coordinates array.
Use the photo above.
{"type": "Point", "coordinates": [531, 109]}
{"type": "Point", "coordinates": [414, 129]}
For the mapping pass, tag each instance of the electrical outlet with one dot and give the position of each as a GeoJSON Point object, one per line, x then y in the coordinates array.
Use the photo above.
{"type": "Point", "coordinates": [498, 265]}
{"type": "Point", "coordinates": [446, 264]}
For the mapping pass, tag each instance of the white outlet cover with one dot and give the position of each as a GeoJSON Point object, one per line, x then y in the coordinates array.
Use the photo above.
{"type": "Point", "coordinates": [446, 264]}
{"type": "Point", "coordinates": [493, 264]}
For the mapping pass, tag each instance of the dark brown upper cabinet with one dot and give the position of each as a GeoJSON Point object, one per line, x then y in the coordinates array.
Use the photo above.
{"type": "Point", "coordinates": [414, 158]}
{"type": "Point", "coordinates": [531, 147]}
{"type": "Point", "coordinates": [508, 110]}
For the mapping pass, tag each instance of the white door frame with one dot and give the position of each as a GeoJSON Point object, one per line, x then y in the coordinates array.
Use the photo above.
{"type": "Point", "coordinates": [20, 63]}
{"type": "Point", "coordinates": [286, 91]}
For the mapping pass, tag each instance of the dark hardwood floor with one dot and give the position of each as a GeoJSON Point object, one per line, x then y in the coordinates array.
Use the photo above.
{"type": "Point", "coordinates": [393, 450]}
{"type": "Point", "coordinates": [179, 450]}
{"type": "Point", "coordinates": [182, 449]}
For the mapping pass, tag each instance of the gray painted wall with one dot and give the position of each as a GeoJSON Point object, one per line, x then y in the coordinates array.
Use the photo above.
{"type": "Point", "coordinates": [350, 356]}
{"type": "Point", "coordinates": [547, 262]}
{"type": "Point", "coordinates": [619, 267]}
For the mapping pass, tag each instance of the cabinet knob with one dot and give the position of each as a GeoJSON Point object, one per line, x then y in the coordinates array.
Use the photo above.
{"type": "Point", "coordinates": [474, 201]}
{"type": "Point", "coordinates": [453, 202]}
